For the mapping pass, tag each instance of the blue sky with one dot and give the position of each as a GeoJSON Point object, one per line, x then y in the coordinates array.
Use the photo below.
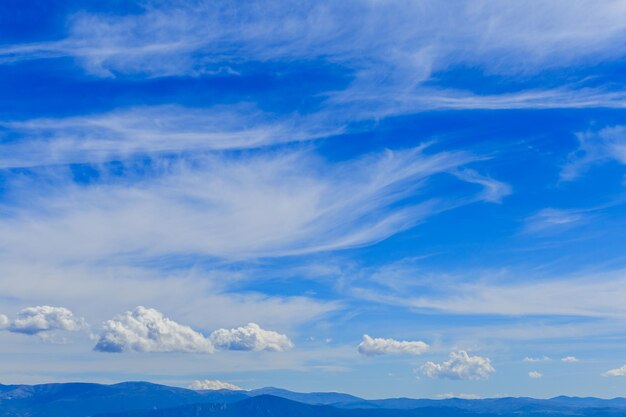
{"type": "Point", "coordinates": [205, 190]}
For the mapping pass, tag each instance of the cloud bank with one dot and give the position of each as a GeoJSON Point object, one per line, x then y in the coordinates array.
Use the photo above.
{"type": "Point", "coordinates": [148, 330]}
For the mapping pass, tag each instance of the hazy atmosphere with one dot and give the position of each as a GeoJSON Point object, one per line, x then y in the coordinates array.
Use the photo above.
{"type": "Point", "coordinates": [382, 198]}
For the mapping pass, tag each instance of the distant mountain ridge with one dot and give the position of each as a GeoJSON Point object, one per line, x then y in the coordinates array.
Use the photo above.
{"type": "Point", "coordinates": [143, 399]}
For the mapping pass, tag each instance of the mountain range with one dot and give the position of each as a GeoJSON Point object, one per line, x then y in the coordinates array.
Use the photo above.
{"type": "Point", "coordinates": [142, 399]}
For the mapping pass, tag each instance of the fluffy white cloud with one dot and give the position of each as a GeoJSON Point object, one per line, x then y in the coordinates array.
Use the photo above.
{"type": "Point", "coordinates": [570, 359]}
{"type": "Point", "coordinates": [377, 346]}
{"type": "Point", "coordinates": [33, 320]}
{"type": "Point", "coordinates": [214, 384]}
{"type": "Point", "coordinates": [250, 337]}
{"type": "Point", "coordinates": [460, 366]}
{"type": "Point", "coordinates": [148, 330]}
{"type": "Point", "coordinates": [616, 372]}
{"type": "Point", "coordinates": [534, 360]}
{"type": "Point", "coordinates": [535, 374]}
{"type": "Point", "coordinates": [4, 322]}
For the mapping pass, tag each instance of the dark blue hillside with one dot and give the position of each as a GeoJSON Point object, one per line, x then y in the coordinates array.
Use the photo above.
{"type": "Point", "coordinates": [271, 406]}
{"type": "Point", "coordinates": [80, 400]}
{"type": "Point", "coordinates": [139, 399]}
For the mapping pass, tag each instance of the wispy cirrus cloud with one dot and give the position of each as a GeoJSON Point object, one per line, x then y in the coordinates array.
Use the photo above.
{"type": "Point", "coordinates": [595, 147]}
{"type": "Point", "coordinates": [246, 206]}
{"type": "Point", "coordinates": [166, 129]}
{"type": "Point", "coordinates": [390, 49]}
{"type": "Point", "coordinates": [596, 295]}
{"type": "Point", "coordinates": [551, 219]}
{"type": "Point", "coordinates": [535, 360]}
{"type": "Point", "coordinates": [423, 35]}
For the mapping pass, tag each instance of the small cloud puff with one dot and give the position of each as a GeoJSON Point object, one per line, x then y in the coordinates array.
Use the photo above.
{"type": "Point", "coordinates": [570, 359]}
{"type": "Point", "coordinates": [616, 372]}
{"type": "Point", "coordinates": [449, 395]}
{"type": "Point", "coordinates": [33, 320]}
{"type": "Point", "coordinates": [535, 374]}
{"type": "Point", "coordinates": [372, 347]}
{"type": "Point", "coordinates": [460, 366]}
{"type": "Point", "coordinates": [212, 385]}
{"type": "Point", "coordinates": [534, 360]}
{"type": "Point", "coordinates": [4, 322]}
{"type": "Point", "coordinates": [148, 330]}
{"type": "Point", "coordinates": [250, 338]}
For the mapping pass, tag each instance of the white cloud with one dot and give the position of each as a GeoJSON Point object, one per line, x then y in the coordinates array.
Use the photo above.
{"type": "Point", "coordinates": [595, 295]}
{"type": "Point", "coordinates": [534, 360]}
{"type": "Point", "coordinates": [174, 39]}
{"type": "Point", "coordinates": [616, 372]}
{"type": "Point", "coordinates": [551, 219]}
{"type": "Point", "coordinates": [595, 147]}
{"type": "Point", "coordinates": [450, 395]}
{"type": "Point", "coordinates": [250, 338]}
{"type": "Point", "coordinates": [212, 385]}
{"type": "Point", "coordinates": [122, 133]}
{"type": "Point", "coordinates": [238, 207]}
{"type": "Point", "coordinates": [378, 346]}
{"type": "Point", "coordinates": [570, 359]}
{"type": "Point", "coordinates": [33, 320]}
{"type": "Point", "coordinates": [148, 330]}
{"type": "Point", "coordinates": [4, 322]}
{"type": "Point", "coordinates": [391, 48]}
{"type": "Point", "coordinates": [460, 366]}
{"type": "Point", "coordinates": [535, 374]}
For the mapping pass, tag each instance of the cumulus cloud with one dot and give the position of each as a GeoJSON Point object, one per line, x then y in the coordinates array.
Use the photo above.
{"type": "Point", "coordinates": [535, 374]}
{"type": "Point", "coordinates": [377, 346]}
{"type": "Point", "coordinates": [460, 366]}
{"type": "Point", "coordinates": [33, 320]}
{"type": "Point", "coordinates": [616, 372]}
{"type": "Point", "coordinates": [148, 330]}
{"type": "Point", "coordinates": [250, 338]}
{"type": "Point", "coordinates": [212, 385]}
{"type": "Point", "coordinates": [570, 359]}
